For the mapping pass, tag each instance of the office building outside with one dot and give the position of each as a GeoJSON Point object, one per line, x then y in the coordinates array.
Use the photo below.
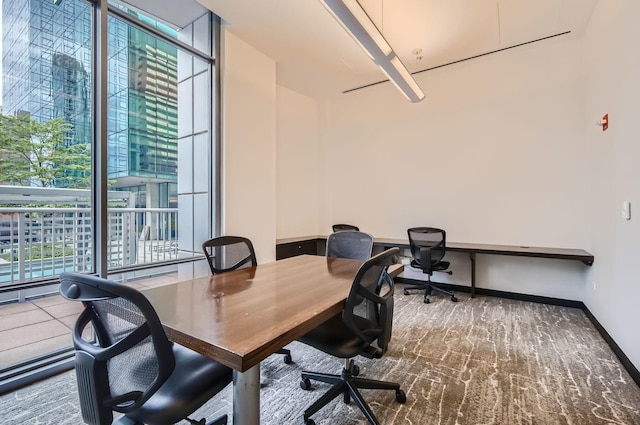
{"type": "Point", "coordinates": [48, 62]}
{"type": "Point", "coordinates": [47, 53]}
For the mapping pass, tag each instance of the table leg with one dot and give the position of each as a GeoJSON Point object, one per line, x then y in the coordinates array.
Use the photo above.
{"type": "Point", "coordinates": [472, 257]}
{"type": "Point", "coordinates": [246, 396]}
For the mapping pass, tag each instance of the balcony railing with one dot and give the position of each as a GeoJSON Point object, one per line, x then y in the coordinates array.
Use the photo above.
{"type": "Point", "coordinates": [36, 243]}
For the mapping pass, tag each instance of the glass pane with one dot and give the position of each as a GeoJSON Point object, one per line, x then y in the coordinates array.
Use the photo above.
{"type": "Point", "coordinates": [45, 169]}
{"type": "Point", "coordinates": [46, 137]}
{"type": "Point", "coordinates": [170, 17]}
{"type": "Point", "coordinates": [146, 107]}
{"type": "Point", "coordinates": [146, 18]}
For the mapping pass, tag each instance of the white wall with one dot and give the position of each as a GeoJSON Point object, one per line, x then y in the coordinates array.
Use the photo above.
{"type": "Point", "coordinates": [249, 145]}
{"type": "Point", "coordinates": [612, 66]}
{"type": "Point", "coordinates": [495, 154]}
{"type": "Point", "coordinates": [270, 152]}
{"type": "Point", "coordinates": [509, 147]}
{"type": "Point", "coordinates": [297, 134]}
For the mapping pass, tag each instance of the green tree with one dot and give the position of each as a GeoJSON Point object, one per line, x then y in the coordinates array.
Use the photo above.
{"type": "Point", "coordinates": [37, 152]}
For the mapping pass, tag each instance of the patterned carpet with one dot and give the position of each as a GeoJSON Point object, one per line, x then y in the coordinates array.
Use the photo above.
{"type": "Point", "coordinates": [479, 361]}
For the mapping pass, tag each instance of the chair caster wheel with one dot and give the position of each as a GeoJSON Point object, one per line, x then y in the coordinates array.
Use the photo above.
{"type": "Point", "coordinates": [309, 422]}
{"type": "Point", "coordinates": [288, 359]}
{"type": "Point", "coordinates": [454, 299]}
{"type": "Point", "coordinates": [346, 398]}
{"type": "Point", "coordinates": [406, 292]}
{"type": "Point", "coordinates": [401, 397]}
{"type": "Point", "coordinates": [305, 384]}
{"type": "Point", "coordinates": [426, 300]}
{"type": "Point", "coordinates": [355, 370]}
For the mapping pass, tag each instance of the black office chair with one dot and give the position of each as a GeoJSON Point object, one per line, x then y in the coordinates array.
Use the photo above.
{"type": "Point", "coordinates": [132, 367]}
{"type": "Point", "coordinates": [343, 227]}
{"type": "Point", "coordinates": [349, 244]}
{"type": "Point", "coordinates": [227, 253]}
{"type": "Point", "coordinates": [428, 246]}
{"type": "Point", "coordinates": [349, 334]}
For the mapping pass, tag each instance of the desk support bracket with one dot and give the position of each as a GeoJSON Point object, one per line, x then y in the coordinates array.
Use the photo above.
{"type": "Point", "coordinates": [472, 257]}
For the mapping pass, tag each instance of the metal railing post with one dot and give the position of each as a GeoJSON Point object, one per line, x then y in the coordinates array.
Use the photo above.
{"type": "Point", "coordinates": [22, 247]}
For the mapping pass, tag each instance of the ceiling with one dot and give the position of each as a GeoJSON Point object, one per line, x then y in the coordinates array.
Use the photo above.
{"type": "Point", "coordinates": [315, 56]}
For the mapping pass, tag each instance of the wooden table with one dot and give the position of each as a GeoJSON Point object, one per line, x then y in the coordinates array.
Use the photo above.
{"type": "Point", "coordinates": [241, 317]}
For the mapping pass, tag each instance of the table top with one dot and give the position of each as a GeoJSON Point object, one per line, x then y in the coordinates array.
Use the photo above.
{"type": "Point", "coordinates": [241, 317]}
{"type": "Point", "coordinates": [514, 250]}
{"type": "Point", "coordinates": [481, 248]}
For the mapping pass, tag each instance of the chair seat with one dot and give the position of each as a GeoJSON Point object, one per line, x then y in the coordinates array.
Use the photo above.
{"type": "Point", "coordinates": [439, 266]}
{"type": "Point", "coordinates": [334, 338]}
{"type": "Point", "coordinates": [195, 379]}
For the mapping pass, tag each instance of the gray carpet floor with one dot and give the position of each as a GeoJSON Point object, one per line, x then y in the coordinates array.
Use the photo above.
{"type": "Point", "coordinates": [479, 361]}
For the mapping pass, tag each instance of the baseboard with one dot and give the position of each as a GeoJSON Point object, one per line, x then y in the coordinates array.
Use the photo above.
{"type": "Point", "coordinates": [626, 363]}
{"type": "Point", "coordinates": [631, 369]}
{"type": "Point", "coordinates": [499, 294]}
{"type": "Point", "coordinates": [531, 298]}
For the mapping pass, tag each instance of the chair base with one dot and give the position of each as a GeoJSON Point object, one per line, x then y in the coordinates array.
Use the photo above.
{"type": "Point", "coordinates": [222, 420]}
{"type": "Point", "coordinates": [429, 287]}
{"type": "Point", "coordinates": [347, 384]}
{"type": "Point", "coordinates": [287, 355]}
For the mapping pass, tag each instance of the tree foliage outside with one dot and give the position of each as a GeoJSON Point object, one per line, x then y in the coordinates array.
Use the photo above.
{"type": "Point", "coordinates": [34, 153]}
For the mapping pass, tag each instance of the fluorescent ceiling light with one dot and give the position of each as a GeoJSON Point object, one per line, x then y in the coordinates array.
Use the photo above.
{"type": "Point", "coordinates": [357, 23]}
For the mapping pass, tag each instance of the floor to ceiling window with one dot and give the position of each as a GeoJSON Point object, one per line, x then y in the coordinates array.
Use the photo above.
{"type": "Point", "coordinates": [159, 151]}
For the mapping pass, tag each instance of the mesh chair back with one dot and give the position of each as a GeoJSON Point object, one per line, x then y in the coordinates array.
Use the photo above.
{"type": "Point", "coordinates": [343, 227]}
{"type": "Point", "coordinates": [131, 357]}
{"type": "Point", "coordinates": [427, 237]}
{"type": "Point", "coordinates": [226, 253]}
{"type": "Point", "coordinates": [373, 285]}
{"type": "Point", "coordinates": [350, 244]}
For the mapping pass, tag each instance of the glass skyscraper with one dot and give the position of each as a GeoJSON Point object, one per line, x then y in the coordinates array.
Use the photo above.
{"type": "Point", "coordinates": [142, 106]}
{"type": "Point", "coordinates": [47, 62]}
{"type": "Point", "coordinates": [47, 74]}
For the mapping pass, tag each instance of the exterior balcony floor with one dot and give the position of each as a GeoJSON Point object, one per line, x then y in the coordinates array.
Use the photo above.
{"type": "Point", "coordinates": [42, 325]}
